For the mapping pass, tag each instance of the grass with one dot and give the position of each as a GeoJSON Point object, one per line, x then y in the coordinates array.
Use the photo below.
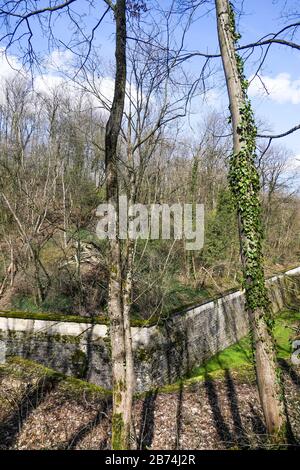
{"type": "Point", "coordinates": [57, 303]}
{"type": "Point", "coordinates": [181, 296]}
{"type": "Point", "coordinates": [240, 354]}
{"type": "Point", "coordinates": [238, 357]}
{"type": "Point", "coordinates": [232, 357]}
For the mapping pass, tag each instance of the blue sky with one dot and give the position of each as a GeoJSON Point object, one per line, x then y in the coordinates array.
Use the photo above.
{"type": "Point", "coordinates": [281, 73]}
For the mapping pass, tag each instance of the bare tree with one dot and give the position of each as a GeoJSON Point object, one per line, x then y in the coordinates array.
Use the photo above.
{"type": "Point", "coordinates": [119, 325]}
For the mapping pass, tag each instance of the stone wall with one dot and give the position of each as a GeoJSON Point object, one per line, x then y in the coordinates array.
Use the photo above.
{"type": "Point", "coordinates": [163, 353]}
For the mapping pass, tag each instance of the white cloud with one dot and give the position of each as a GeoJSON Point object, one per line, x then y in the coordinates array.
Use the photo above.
{"type": "Point", "coordinates": [211, 97]}
{"type": "Point", "coordinates": [53, 79]}
{"type": "Point", "coordinates": [59, 61]}
{"type": "Point", "coordinates": [105, 88]}
{"type": "Point", "coordinates": [9, 67]}
{"type": "Point", "coordinates": [294, 163]}
{"type": "Point", "coordinates": [281, 88]}
{"type": "Point", "coordinates": [47, 83]}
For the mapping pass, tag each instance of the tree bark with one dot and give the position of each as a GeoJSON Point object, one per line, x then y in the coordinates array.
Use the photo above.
{"type": "Point", "coordinates": [128, 287]}
{"type": "Point", "coordinates": [244, 182]}
{"type": "Point", "coordinates": [121, 417]}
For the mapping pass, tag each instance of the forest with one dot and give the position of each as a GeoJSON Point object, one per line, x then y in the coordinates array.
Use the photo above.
{"type": "Point", "coordinates": [160, 102]}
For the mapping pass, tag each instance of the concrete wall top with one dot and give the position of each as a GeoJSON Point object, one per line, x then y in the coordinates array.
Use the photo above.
{"type": "Point", "coordinates": [142, 335]}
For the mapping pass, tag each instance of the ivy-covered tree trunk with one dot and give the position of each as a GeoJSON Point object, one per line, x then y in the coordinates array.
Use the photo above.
{"type": "Point", "coordinates": [121, 416]}
{"type": "Point", "coordinates": [245, 185]}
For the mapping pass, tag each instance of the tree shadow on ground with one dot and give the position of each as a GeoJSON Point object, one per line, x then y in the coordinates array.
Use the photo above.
{"type": "Point", "coordinates": [221, 426]}
{"type": "Point", "coordinates": [81, 433]}
{"type": "Point", "coordinates": [179, 417]}
{"type": "Point", "coordinates": [294, 377]}
{"type": "Point", "coordinates": [32, 397]}
{"type": "Point", "coordinates": [289, 370]}
{"type": "Point", "coordinates": [239, 430]}
{"type": "Point", "coordinates": [257, 424]}
{"type": "Point", "coordinates": [146, 431]}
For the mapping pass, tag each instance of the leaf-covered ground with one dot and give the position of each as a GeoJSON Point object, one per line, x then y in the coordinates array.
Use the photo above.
{"type": "Point", "coordinates": [40, 409]}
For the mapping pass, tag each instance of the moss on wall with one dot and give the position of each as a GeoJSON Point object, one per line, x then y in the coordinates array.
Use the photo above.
{"type": "Point", "coordinates": [53, 317]}
{"type": "Point", "coordinates": [104, 320]}
{"type": "Point", "coordinates": [79, 364]}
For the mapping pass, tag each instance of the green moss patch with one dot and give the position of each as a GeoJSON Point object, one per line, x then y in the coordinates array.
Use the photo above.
{"type": "Point", "coordinates": [238, 357]}
{"type": "Point", "coordinates": [53, 317]}
{"type": "Point", "coordinates": [240, 354]}
{"type": "Point", "coordinates": [24, 369]}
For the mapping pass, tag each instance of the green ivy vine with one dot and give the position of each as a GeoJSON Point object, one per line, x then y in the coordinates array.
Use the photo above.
{"type": "Point", "coordinates": [245, 186]}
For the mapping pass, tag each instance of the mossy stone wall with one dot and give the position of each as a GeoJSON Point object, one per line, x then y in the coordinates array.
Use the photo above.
{"type": "Point", "coordinates": [163, 353]}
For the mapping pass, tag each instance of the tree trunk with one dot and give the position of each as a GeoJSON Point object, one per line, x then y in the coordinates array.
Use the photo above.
{"type": "Point", "coordinates": [121, 418]}
{"type": "Point", "coordinates": [128, 286]}
{"type": "Point", "coordinates": [127, 302]}
{"type": "Point", "coordinates": [244, 181]}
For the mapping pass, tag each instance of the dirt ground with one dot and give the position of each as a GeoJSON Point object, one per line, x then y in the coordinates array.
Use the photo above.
{"type": "Point", "coordinates": [51, 412]}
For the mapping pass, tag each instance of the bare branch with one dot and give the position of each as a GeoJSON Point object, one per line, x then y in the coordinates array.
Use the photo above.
{"type": "Point", "coordinates": [279, 136]}
{"type": "Point", "coordinates": [110, 4]}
